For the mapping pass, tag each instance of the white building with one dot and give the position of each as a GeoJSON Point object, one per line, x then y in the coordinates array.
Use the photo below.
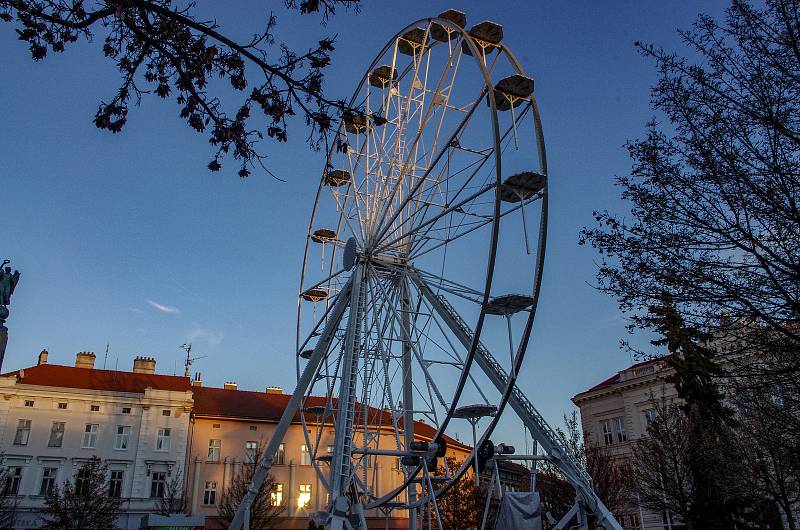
{"type": "Point", "coordinates": [616, 412]}
{"type": "Point", "coordinates": [53, 418]}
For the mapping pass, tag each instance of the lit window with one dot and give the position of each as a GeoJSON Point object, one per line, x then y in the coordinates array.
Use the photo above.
{"type": "Point", "coordinates": [115, 484]}
{"type": "Point", "coordinates": [90, 436]}
{"type": "Point", "coordinates": [121, 439]}
{"type": "Point", "coordinates": [250, 452]}
{"type": "Point", "coordinates": [304, 498]}
{"type": "Point", "coordinates": [62, 406]}
{"type": "Point", "coordinates": [28, 403]}
{"type": "Point", "coordinates": [619, 429]}
{"type": "Point", "coordinates": [23, 432]}
{"type": "Point", "coordinates": [95, 408]}
{"type": "Point", "coordinates": [305, 457]}
{"type": "Point", "coordinates": [608, 435]}
{"type": "Point", "coordinates": [280, 455]}
{"type": "Point", "coordinates": [214, 447]}
{"type": "Point", "coordinates": [157, 484]}
{"type": "Point", "coordinates": [210, 494]}
{"type": "Point", "coordinates": [13, 478]}
{"type": "Point", "coordinates": [56, 434]}
{"type": "Point", "coordinates": [48, 480]}
{"type": "Point", "coordinates": [276, 495]}
{"type": "Point", "coordinates": [163, 439]}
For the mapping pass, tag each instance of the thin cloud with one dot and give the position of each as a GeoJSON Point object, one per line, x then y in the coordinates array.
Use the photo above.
{"type": "Point", "coordinates": [164, 308]}
{"type": "Point", "coordinates": [210, 337]}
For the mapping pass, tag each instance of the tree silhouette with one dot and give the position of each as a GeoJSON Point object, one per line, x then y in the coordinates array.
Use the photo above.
{"type": "Point", "coordinates": [163, 49]}
{"type": "Point", "coordinates": [85, 505]}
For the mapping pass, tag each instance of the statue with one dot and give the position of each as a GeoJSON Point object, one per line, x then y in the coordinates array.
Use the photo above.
{"type": "Point", "coordinates": [8, 281]}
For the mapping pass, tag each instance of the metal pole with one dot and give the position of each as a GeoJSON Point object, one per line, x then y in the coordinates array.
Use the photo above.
{"type": "Point", "coordinates": [342, 301]}
{"type": "Point", "coordinates": [341, 465]}
{"type": "Point", "coordinates": [408, 394]}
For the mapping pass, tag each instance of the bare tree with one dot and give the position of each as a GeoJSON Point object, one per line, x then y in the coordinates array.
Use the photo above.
{"type": "Point", "coordinates": [9, 501]}
{"type": "Point", "coordinates": [174, 500]}
{"type": "Point", "coordinates": [265, 509]}
{"type": "Point", "coordinates": [461, 507]}
{"type": "Point", "coordinates": [610, 475]}
{"type": "Point", "coordinates": [85, 505]}
{"type": "Point", "coordinates": [714, 221]}
{"type": "Point", "coordinates": [161, 48]}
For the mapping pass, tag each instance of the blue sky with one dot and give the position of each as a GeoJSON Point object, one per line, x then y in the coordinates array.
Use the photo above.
{"type": "Point", "coordinates": [127, 239]}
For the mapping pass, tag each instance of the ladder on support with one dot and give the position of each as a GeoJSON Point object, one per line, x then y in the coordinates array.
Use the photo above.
{"type": "Point", "coordinates": [587, 499]}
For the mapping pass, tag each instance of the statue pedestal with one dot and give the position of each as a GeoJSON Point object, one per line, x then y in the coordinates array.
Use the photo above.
{"type": "Point", "coordinates": [3, 342]}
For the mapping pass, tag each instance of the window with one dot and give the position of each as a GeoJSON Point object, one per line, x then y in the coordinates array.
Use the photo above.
{"type": "Point", "coordinates": [90, 436]}
{"type": "Point", "coordinates": [13, 478]}
{"type": "Point", "coordinates": [631, 522]}
{"type": "Point", "coordinates": [23, 432]}
{"type": "Point", "coordinates": [215, 426]}
{"type": "Point", "coordinates": [650, 416]}
{"type": "Point", "coordinates": [250, 452]}
{"type": "Point", "coordinates": [126, 410]}
{"type": "Point", "coordinates": [166, 412]}
{"type": "Point", "coordinates": [115, 483]}
{"type": "Point", "coordinates": [276, 495]}
{"type": "Point", "coordinates": [162, 439]}
{"type": "Point", "coordinates": [305, 457]}
{"type": "Point", "coordinates": [608, 435]}
{"type": "Point", "coordinates": [56, 434]}
{"type": "Point", "coordinates": [28, 403]}
{"type": "Point", "coordinates": [95, 408]}
{"type": "Point", "coordinates": [62, 406]}
{"type": "Point", "coordinates": [83, 481]}
{"type": "Point", "coordinates": [280, 455]}
{"type": "Point", "coordinates": [330, 449]}
{"type": "Point", "coordinates": [121, 439]}
{"type": "Point", "coordinates": [304, 498]}
{"type": "Point", "coordinates": [48, 480]}
{"type": "Point", "coordinates": [619, 429]}
{"type": "Point", "coordinates": [210, 494]}
{"type": "Point", "coordinates": [253, 428]}
{"type": "Point", "coordinates": [214, 450]}
{"type": "Point", "coordinates": [157, 484]}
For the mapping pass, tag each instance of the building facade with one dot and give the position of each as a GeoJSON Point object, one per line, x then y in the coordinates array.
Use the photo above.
{"type": "Point", "coordinates": [54, 418]}
{"type": "Point", "coordinates": [616, 412]}
{"type": "Point", "coordinates": [230, 426]}
{"type": "Point", "coordinates": [157, 432]}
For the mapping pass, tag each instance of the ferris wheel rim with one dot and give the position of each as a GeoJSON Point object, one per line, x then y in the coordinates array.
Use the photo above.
{"type": "Point", "coordinates": [468, 363]}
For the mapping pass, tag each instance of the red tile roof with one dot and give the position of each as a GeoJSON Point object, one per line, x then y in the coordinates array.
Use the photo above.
{"type": "Point", "coordinates": [94, 379]}
{"type": "Point", "coordinates": [243, 404]}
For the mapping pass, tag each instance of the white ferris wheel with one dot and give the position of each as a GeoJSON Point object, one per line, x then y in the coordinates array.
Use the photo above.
{"type": "Point", "coordinates": [421, 277]}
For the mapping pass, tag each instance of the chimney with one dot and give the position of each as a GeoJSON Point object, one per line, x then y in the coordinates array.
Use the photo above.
{"type": "Point", "coordinates": [84, 359]}
{"type": "Point", "coordinates": [230, 385]}
{"type": "Point", "coordinates": [144, 365]}
{"type": "Point", "coordinates": [197, 381]}
{"type": "Point", "coordinates": [274, 390]}
{"type": "Point", "coordinates": [42, 358]}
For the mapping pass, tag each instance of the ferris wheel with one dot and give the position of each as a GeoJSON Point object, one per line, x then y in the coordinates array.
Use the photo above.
{"type": "Point", "coordinates": [424, 255]}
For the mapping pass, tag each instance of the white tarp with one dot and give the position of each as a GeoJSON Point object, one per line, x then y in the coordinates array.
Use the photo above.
{"type": "Point", "coordinates": [520, 510]}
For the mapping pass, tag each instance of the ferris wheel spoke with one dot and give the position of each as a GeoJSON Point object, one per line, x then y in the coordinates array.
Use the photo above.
{"type": "Point", "coordinates": [421, 127]}
{"type": "Point", "coordinates": [384, 225]}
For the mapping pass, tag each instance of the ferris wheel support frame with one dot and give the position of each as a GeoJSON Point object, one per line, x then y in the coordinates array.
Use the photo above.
{"type": "Point", "coordinates": [541, 432]}
{"type": "Point", "coordinates": [335, 316]}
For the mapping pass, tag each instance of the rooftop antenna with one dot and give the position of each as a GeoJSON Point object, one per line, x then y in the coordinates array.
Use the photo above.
{"type": "Point", "coordinates": [105, 357]}
{"type": "Point", "coordinates": [189, 359]}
